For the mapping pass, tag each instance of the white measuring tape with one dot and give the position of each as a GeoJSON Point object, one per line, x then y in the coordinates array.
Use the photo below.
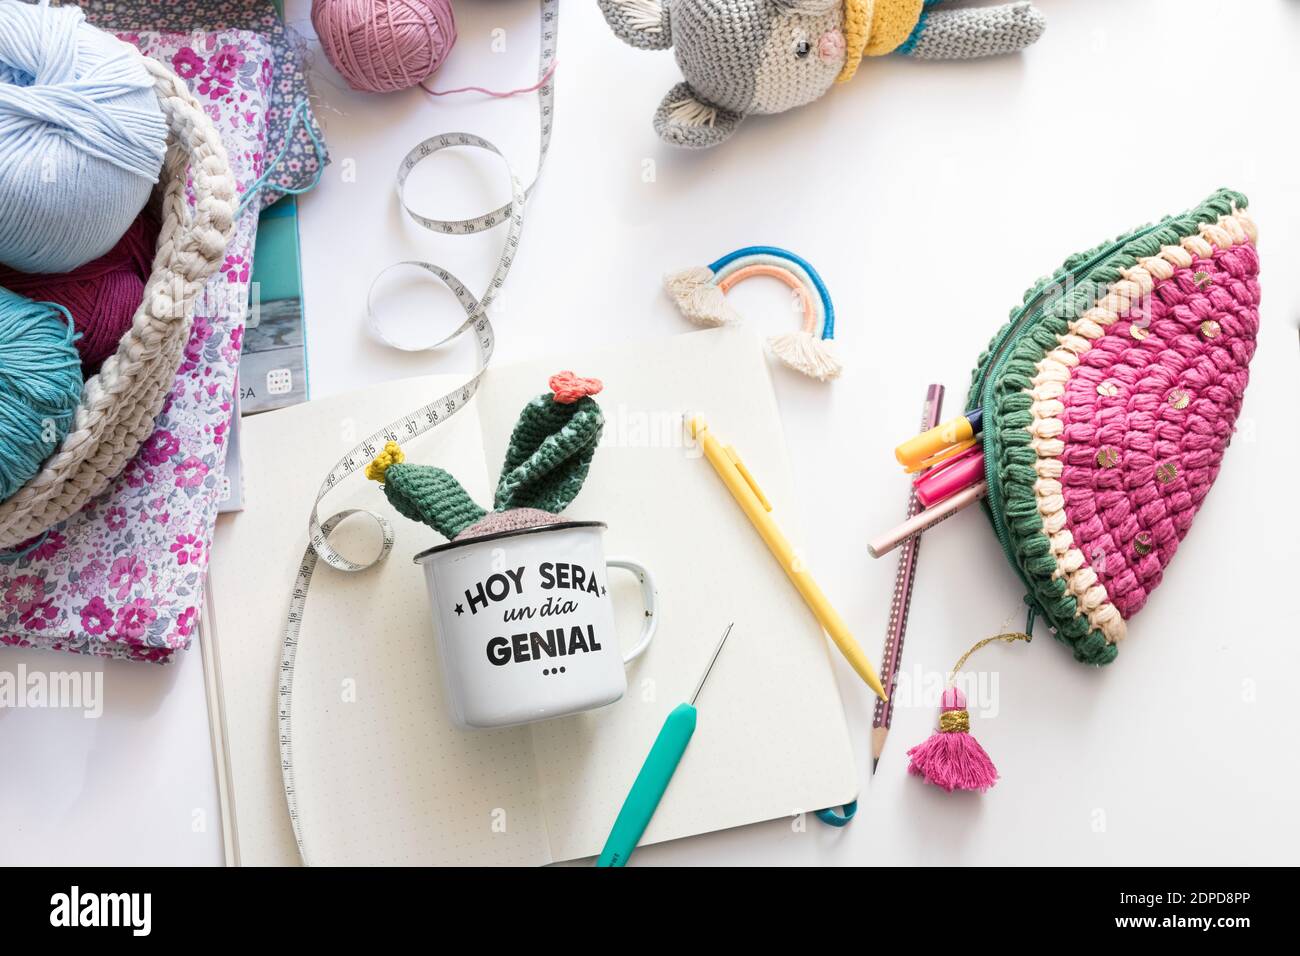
{"type": "Point", "coordinates": [427, 416]}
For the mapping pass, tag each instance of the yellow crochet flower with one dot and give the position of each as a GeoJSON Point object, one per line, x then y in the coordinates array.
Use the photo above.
{"type": "Point", "coordinates": [874, 28]}
{"type": "Point", "coordinates": [391, 455]}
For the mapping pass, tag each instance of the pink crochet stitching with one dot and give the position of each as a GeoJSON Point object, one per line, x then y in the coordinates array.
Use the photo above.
{"type": "Point", "coordinates": [1127, 519]}
{"type": "Point", "coordinates": [568, 387]}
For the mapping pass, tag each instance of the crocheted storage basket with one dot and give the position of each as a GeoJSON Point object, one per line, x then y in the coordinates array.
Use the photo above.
{"type": "Point", "coordinates": [1108, 401]}
{"type": "Point", "coordinates": [119, 405]}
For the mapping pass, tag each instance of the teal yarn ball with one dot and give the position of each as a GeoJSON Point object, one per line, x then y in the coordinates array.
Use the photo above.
{"type": "Point", "coordinates": [40, 386]}
{"type": "Point", "coordinates": [82, 138]}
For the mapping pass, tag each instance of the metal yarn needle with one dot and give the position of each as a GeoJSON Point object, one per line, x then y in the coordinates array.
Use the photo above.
{"type": "Point", "coordinates": [712, 660]}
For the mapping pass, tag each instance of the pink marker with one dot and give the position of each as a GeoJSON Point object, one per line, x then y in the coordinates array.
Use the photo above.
{"type": "Point", "coordinates": [924, 520]}
{"type": "Point", "coordinates": [950, 477]}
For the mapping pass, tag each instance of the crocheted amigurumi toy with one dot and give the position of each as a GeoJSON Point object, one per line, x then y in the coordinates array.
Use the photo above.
{"type": "Point", "coordinates": [546, 463]}
{"type": "Point", "coordinates": [768, 56]}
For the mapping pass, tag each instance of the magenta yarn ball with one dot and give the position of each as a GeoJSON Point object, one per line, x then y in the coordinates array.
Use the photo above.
{"type": "Point", "coordinates": [384, 45]}
{"type": "Point", "coordinates": [102, 296]}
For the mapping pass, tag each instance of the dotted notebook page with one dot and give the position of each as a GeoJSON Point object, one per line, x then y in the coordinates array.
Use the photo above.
{"type": "Point", "coordinates": [383, 776]}
{"type": "Point", "coordinates": [772, 739]}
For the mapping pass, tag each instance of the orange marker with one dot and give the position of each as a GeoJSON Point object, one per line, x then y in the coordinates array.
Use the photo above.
{"type": "Point", "coordinates": [926, 445]}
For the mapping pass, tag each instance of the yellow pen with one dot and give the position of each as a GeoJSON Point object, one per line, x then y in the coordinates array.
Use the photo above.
{"type": "Point", "coordinates": [757, 509]}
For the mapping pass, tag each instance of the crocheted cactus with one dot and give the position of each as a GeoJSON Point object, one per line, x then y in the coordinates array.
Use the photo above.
{"type": "Point", "coordinates": [546, 462]}
{"type": "Point", "coordinates": [424, 493]}
{"type": "Point", "coordinates": [767, 56]}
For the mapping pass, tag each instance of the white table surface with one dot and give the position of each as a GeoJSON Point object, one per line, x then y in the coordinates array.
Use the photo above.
{"type": "Point", "coordinates": [929, 196]}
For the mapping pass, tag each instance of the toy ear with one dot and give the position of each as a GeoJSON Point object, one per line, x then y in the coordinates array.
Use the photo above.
{"type": "Point", "coordinates": [683, 119]}
{"type": "Point", "coordinates": [642, 23]}
{"type": "Point", "coordinates": [982, 31]}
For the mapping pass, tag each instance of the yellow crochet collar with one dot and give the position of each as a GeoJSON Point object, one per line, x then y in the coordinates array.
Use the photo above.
{"type": "Point", "coordinates": [874, 28]}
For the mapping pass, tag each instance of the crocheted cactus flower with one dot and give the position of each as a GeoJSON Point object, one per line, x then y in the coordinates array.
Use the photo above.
{"type": "Point", "coordinates": [766, 56]}
{"type": "Point", "coordinates": [546, 462]}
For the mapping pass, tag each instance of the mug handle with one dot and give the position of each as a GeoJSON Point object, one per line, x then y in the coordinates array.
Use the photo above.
{"type": "Point", "coordinates": [648, 596]}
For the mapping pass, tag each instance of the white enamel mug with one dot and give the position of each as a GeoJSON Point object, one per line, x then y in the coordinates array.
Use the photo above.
{"type": "Point", "coordinates": [524, 624]}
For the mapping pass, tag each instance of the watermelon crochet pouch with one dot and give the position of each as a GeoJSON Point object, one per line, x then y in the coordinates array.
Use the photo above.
{"type": "Point", "coordinates": [1108, 400]}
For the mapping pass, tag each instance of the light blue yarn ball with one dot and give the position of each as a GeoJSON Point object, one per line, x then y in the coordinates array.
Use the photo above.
{"type": "Point", "coordinates": [82, 138]}
{"type": "Point", "coordinates": [40, 385]}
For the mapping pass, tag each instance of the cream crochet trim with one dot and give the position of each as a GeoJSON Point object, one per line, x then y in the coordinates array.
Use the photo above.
{"type": "Point", "coordinates": [1048, 386]}
{"type": "Point", "coordinates": [691, 112]}
{"type": "Point", "coordinates": [119, 405]}
{"type": "Point", "coordinates": [643, 14]}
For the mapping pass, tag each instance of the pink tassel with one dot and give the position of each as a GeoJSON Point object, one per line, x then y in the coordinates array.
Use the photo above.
{"type": "Point", "coordinates": [952, 758]}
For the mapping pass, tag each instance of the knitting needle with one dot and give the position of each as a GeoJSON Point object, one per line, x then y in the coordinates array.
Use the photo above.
{"type": "Point", "coordinates": [650, 784]}
{"type": "Point", "coordinates": [901, 602]}
{"type": "Point", "coordinates": [927, 519]}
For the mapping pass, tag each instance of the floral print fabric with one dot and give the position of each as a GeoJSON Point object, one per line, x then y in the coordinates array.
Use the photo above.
{"type": "Point", "coordinates": [287, 75]}
{"type": "Point", "coordinates": [124, 577]}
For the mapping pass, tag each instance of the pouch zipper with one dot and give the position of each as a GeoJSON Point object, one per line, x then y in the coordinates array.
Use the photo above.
{"type": "Point", "coordinates": [1028, 316]}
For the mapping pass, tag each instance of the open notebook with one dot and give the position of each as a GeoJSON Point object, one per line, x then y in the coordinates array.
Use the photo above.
{"type": "Point", "coordinates": [382, 774]}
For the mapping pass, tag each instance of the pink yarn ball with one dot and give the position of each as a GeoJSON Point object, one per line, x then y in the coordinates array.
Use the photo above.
{"type": "Point", "coordinates": [384, 45]}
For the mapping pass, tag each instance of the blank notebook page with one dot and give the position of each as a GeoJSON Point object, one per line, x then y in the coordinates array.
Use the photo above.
{"type": "Point", "coordinates": [382, 775]}
{"type": "Point", "coordinates": [771, 740]}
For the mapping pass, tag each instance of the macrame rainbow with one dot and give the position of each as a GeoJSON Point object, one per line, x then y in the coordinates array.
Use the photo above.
{"type": "Point", "coordinates": [700, 295]}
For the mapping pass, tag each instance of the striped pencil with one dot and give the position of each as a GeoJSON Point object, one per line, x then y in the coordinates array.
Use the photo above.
{"type": "Point", "coordinates": [902, 599]}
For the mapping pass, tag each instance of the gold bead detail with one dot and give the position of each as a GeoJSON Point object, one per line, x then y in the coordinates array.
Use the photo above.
{"type": "Point", "coordinates": [1210, 329]}
{"type": "Point", "coordinates": [1107, 457]}
{"type": "Point", "coordinates": [1166, 472]}
{"type": "Point", "coordinates": [1179, 399]}
{"type": "Point", "coordinates": [1142, 543]}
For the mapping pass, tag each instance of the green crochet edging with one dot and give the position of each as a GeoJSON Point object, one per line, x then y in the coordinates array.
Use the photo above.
{"type": "Point", "coordinates": [1008, 419]}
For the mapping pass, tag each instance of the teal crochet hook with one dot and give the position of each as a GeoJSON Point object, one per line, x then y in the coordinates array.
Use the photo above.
{"type": "Point", "coordinates": [650, 784]}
